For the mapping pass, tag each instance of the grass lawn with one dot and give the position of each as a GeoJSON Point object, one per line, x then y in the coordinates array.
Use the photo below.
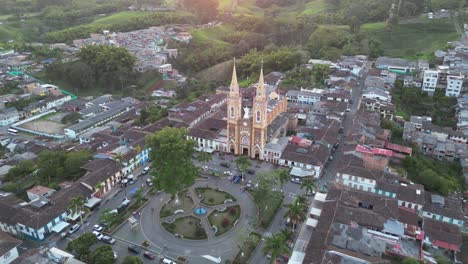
{"type": "Point", "coordinates": [413, 40]}
{"type": "Point", "coordinates": [266, 215]}
{"type": "Point", "coordinates": [309, 8]}
{"type": "Point", "coordinates": [185, 203]}
{"type": "Point", "coordinates": [248, 248]}
{"type": "Point", "coordinates": [188, 227]}
{"type": "Point", "coordinates": [217, 218]}
{"type": "Point", "coordinates": [213, 197]}
{"type": "Point", "coordinates": [212, 35]}
{"type": "Point", "coordinates": [244, 7]}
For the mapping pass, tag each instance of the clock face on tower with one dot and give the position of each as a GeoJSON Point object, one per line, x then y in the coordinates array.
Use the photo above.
{"type": "Point", "coordinates": [245, 123]}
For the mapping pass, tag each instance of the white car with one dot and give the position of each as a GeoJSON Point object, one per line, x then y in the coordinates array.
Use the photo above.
{"type": "Point", "coordinates": [98, 235]}
{"type": "Point", "coordinates": [167, 261]}
{"type": "Point", "coordinates": [98, 228]}
{"type": "Point", "coordinates": [145, 170]}
{"type": "Point", "coordinates": [296, 180]}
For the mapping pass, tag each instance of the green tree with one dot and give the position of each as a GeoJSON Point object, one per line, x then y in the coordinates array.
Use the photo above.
{"type": "Point", "coordinates": [81, 246]}
{"type": "Point", "coordinates": [276, 246]}
{"type": "Point", "coordinates": [295, 211]}
{"type": "Point", "coordinates": [20, 170]}
{"type": "Point", "coordinates": [50, 165]}
{"type": "Point", "coordinates": [74, 162]}
{"type": "Point", "coordinates": [243, 162]}
{"type": "Point", "coordinates": [309, 185]}
{"type": "Point", "coordinates": [206, 10]}
{"type": "Point", "coordinates": [203, 156]}
{"type": "Point", "coordinates": [107, 217]}
{"type": "Point", "coordinates": [283, 176]}
{"type": "Point", "coordinates": [172, 159]}
{"type": "Point", "coordinates": [103, 255]}
{"type": "Point", "coordinates": [140, 195]}
{"type": "Point", "coordinates": [320, 73]}
{"type": "Point", "coordinates": [71, 118]}
{"type": "Point", "coordinates": [77, 206]}
{"type": "Point", "coordinates": [287, 234]}
{"type": "Point", "coordinates": [265, 192]}
{"type": "Point", "coordinates": [132, 260]}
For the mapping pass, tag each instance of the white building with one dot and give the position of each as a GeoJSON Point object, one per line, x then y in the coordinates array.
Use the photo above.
{"type": "Point", "coordinates": [454, 85]}
{"type": "Point", "coordinates": [430, 81]}
{"type": "Point", "coordinates": [8, 248]}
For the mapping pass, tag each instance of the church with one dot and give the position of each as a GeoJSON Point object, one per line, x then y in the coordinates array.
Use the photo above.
{"type": "Point", "coordinates": [248, 120]}
{"type": "Point", "coordinates": [251, 117]}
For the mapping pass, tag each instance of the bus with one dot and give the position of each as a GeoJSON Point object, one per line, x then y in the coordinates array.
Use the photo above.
{"type": "Point", "coordinates": [12, 131]}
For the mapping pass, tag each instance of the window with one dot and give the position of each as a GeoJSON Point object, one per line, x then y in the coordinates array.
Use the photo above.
{"type": "Point", "coordinates": [258, 116]}
{"type": "Point", "coordinates": [366, 205]}
{"type": "Point", "coordinates": [232, 112]}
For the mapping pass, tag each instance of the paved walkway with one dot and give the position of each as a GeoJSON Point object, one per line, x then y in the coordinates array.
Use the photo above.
{"type": "Point", "coordinates": [223, 246]}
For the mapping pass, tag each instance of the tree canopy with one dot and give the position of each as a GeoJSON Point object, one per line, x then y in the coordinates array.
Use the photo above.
{"type": "Point", "coordinates": [81, 245]}
{"type": "Point", "coordinates": [171, 153]}
{"type": "Point", "coordinates": [102, 255]}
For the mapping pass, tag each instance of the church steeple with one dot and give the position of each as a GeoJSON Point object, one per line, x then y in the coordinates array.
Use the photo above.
{"type": "Point", "coordinates": [234, 87]}
{"type": "Point", "coordinates": [261, 85]}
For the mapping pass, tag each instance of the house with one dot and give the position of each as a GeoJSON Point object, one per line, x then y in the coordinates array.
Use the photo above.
{"type": "Point", "coordinates": [274, 78]}
{"type": "Point", "coordinates": [444, 209]}
{"type": "Point", "coordinates": [377, 93]}
{"type": "Point", "coordinates": [38, 192]}
{"type": "Point", "coordinates": [39, 219]}
{"type": "Point", "coordinates": [9, 116]}
{"type": "Point", "coordinates": [411, 81]}
{"type": "Point", "coordinates": [274, 148]}
{"type": "Point", "coordinates": [442, 235]}
{"type": "Point", "coordinates": [339, 95]}
{"type": "Point", "coordinates": [8, 248]}
{"type": "Point", "coordinates": [430, 78]}
{"type": "Point", "coordinates": [311, 158]}
{"type": "Point", "coordinates": [303, 96]}
{"type": "Point", "coordinates": [396, 65]}
{"type": "Point", "coordinates": [454, 85]}
{"type": "Point", "coordinates": [114, 110]}
{"type": "Point", "coordinates": [101, 176]}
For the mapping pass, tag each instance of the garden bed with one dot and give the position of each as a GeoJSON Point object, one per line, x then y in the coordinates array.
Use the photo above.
{"type": "Point", "coordinates": [224, 221]}
{"type": "Point", "coordinates": [185, 203]}
{"type": "Point", "coordinates": [188, 227]}
{"type": "Point", "coordinates": [213, 197]}
{"type": "Point", "coordinates": [125, 215]}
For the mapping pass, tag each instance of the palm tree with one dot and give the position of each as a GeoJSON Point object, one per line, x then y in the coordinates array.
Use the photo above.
{"type": "Point", "coordinates": [120, 160]}
{"type": "Point", "coordinates": [309, 185]}
{"type": "Point", "coordinates": [283, 176]}
{"type": "Point", "coordinates": [99, 187]}
{"type": "Point", "coordinates": [77, 205]}
{"type": "Point", "coordinates": [295, 212]}
{"type": "Point", "coordinates": [287, 234]}
{"type": "Point", "coordinates": [302, 200]}
{"type": "Point", "coordinates": [243, 162]}
{"type": "Point", "coordinates": [276, 246]}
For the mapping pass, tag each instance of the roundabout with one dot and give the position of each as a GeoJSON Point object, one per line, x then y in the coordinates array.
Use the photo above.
{"type": "Point", "coordinates": [203, 222]}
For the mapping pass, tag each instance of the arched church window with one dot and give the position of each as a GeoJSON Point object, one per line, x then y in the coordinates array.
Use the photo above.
{"type": "Point", "coordinates": [258, 116]}
{"type": "Point", "coordinates": [232, 112]}
{"type": "Point", "coordinates": [245, 140]}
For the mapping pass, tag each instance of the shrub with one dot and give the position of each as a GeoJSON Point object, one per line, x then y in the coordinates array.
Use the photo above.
{"type": "Point", "coordinates": [200, 232]}
{"type": "Point", "coordinates": [210, 200]}
{"type": "Point", "coordinates": [232, 211]}
{"type": "Point", "coordinates": [225, 222]}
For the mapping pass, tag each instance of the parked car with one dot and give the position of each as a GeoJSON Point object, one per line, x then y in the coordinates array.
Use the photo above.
{"type": "Point", "coordinates": [237, 179]}
{"type": "Point", "coordinates": [149, 255]}
{"type": "Point", "coordinates": [224, 164]}
{"type": "Point", "coordinates": [98, 235]}
{"type": "Point", "coordinates": [145, 170]}
{"type": "Point", "coordinates": [249, 184]}
{"type": "Point", "coordinates": [296, 180]}
{"type": "Point", "coordinates": [108, 240]}
{"type": "Point", "coordinates": [149, 182]}
{"type": "Point", "coordinates": [132, 181]}
{"type": "Point", "coordinates": [98, 228]}
{"type": "Point", "coordinates": [73, 229]}
{"type": "Point", "coordinates": [250, 171]}
{"type": "Point", "coordinates": [167, 261]}
{"type": "Point", "coordinates": [133, 249]}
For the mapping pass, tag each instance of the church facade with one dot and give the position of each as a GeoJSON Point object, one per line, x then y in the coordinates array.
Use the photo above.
{"type": "Point", "coordinates": [248, 118]}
